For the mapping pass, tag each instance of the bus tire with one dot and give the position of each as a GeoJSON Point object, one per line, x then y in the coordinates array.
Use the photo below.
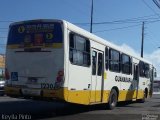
{"type": "Point", "coordinates": [112, 102]}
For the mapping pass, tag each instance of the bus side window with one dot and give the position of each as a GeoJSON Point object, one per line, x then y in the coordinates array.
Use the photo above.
{"type": "Point", "coordinates": [131, 65]}
{"type": "Point", "coordinates": [94, 61]}
{"type": "Point", "coordinates": [135, 72]}
{"type": "Point", "coordinates": [100, 60]}
{"type": "Point", "coordinates": [126, 64]}
{"type": "Point", "coordinates": [79, 52]}
{"type": "Point", "coordinates": [146, 70]}
{"type": "Point", "coordinates": [106, 58]}
{"type": "Point", "coordinates": [141, 68]}
{"type": "Point", "coordinates": [114, 60]}
{"type": "Point", "coordinates": [71, 44]}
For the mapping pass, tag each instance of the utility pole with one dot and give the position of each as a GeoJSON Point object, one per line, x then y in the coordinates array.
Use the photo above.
{"type": "Point", "coordinates": [142, 40]}
{"type": "Point", "coordinates": [91, 17]}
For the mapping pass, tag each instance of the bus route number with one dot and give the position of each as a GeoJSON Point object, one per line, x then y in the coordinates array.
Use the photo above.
{"type": "Point", "coordinates": [47, 86]}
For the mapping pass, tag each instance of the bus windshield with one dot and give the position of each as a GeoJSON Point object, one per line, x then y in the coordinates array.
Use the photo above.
{"type": "Point", "coordinates": [34, 34]}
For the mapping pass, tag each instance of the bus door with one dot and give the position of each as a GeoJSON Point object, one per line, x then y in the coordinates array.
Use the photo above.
{"type": "Point", "coordinates": [97, 76]}
{"type": "Point", "coordinates": [135, 80]}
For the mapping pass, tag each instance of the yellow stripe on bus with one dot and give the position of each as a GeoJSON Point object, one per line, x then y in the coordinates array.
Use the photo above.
{"type": "Point", "coordinates": [54, 45]}
{"type": "Point", "coordinates": [81, 96]}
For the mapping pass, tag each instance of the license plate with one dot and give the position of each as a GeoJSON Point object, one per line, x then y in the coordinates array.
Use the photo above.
{"type": "Point", "coordinates": [32, 80]}
{"type": "Point", "coordinates": [31, 92]}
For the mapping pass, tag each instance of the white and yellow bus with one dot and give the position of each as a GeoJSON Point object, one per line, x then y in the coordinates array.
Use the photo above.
{"type": "Point", "coordinates": [56, 59]}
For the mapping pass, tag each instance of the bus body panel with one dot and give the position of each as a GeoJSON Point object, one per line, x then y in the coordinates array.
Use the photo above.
{"type": "Point", "coordinates": [39, 65]}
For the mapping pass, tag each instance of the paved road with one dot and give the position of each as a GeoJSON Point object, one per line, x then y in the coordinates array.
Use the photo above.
{"type": "Point", "coordinates": [28, 109]}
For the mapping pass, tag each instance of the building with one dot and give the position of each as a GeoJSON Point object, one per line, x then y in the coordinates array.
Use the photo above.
{"type": "Point", "coordinates": [156, 85]}
{"type": "Point", "coordinates": [2, 66]}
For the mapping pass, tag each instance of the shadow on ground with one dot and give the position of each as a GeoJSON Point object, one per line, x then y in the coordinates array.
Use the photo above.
{"type": "Point", "coordinates": [43, 109]}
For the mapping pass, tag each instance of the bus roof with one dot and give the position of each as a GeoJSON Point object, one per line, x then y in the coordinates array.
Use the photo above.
{"type": "Point", "coordinates": [35, 20]}
{"type": "Point", "coordinates": [101, 40]}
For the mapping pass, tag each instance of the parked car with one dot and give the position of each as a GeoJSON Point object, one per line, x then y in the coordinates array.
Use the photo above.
{"type": "Point", "coordinates": [2, 84]}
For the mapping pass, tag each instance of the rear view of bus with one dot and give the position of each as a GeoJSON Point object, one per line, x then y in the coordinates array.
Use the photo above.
{"type": "Point", "coordinates": [35, 58]}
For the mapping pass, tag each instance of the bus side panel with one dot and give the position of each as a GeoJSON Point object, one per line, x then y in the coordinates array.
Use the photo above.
{"type": "Point", "coordinates": [79, 80]}
{"type": "Point", "coordinates": [129, 89]}
{"type": "Point", "coordinates": [110, 81]}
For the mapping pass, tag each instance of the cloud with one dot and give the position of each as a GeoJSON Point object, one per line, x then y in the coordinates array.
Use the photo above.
{"type": "Point", "coordinates": [154, 57]}
{"type": "Point", "coordinates": [129, 49]}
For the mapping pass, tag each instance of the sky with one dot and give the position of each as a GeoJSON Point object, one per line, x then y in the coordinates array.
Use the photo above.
{"type": "Point", "coordinates": [117, 21]}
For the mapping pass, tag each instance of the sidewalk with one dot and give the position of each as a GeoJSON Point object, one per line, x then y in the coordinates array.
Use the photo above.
{"type": "Point", "coordinates": [156, 92]}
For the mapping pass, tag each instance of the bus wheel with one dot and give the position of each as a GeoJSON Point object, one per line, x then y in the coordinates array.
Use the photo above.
{"type": "Point", "coordinates": [112, 100]}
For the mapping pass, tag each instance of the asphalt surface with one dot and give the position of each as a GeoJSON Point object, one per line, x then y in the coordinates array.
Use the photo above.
{"type": "Point", "coordinates": [18, 109]}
